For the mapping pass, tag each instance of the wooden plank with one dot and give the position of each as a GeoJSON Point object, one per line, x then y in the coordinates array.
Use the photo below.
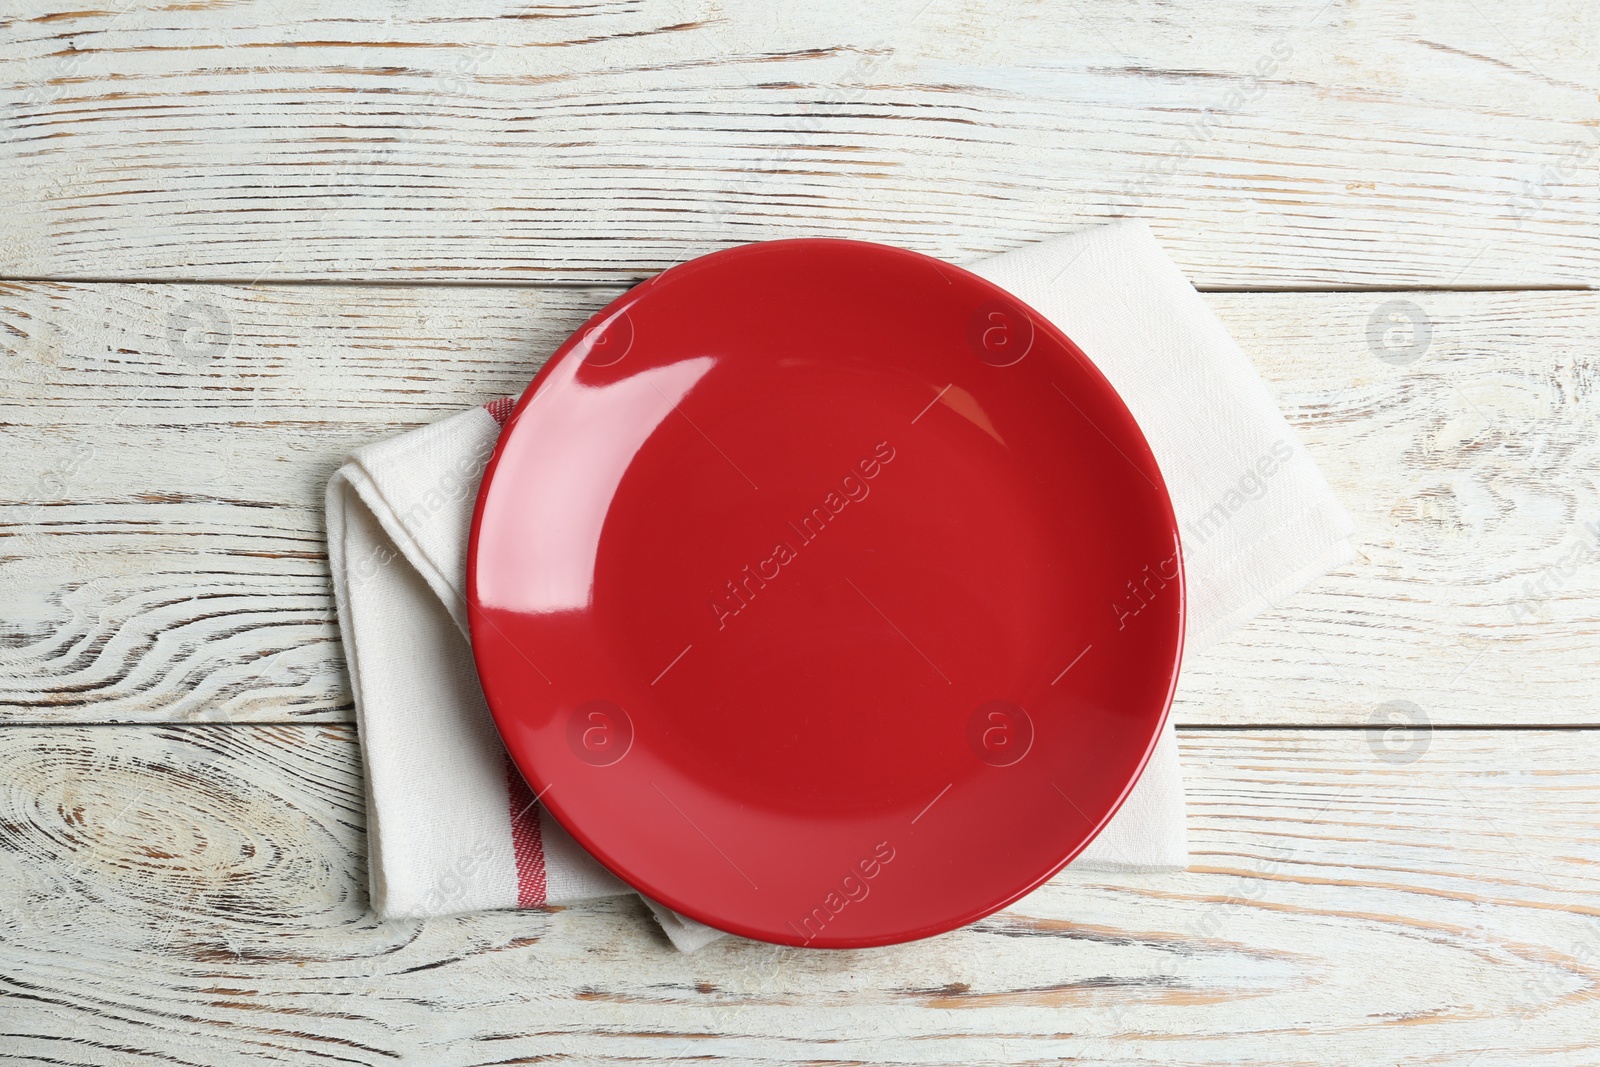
{"type": "Point", "coordinates": [195, 895]}
{"type": "Point", "coordinates": [1271, 144]}
{"type": "Point", "coordinates": [163, 553]}
{"type": "Point", "coordinates": [161, 550]}
{"type": "Point", "coordinates": [1466, 450]}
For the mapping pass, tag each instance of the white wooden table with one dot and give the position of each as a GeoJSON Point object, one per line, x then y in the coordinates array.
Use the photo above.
{"type": "Point", "coordinates": [241, 238]}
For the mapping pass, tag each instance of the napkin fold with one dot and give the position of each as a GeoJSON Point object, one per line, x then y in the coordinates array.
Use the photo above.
{"type": "Point", "coordinates": [452, 827]}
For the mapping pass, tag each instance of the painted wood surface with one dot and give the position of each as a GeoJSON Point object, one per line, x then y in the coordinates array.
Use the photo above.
{"type": "Point", "coordinates": [1274, 143]}
{"type": "Point", "coordinates": [195, 894]}
{"type": "Point", "coordinates": [182, 852]}
{"type": "Point", "coordinates": [162, 554]}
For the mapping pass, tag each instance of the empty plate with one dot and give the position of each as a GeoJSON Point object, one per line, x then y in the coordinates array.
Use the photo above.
{"type": "Point", "coordinates": [826, 593]}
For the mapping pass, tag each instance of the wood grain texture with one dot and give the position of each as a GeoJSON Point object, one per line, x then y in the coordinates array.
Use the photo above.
{"type": "Point", "coordinates": [191, 889]}
{"type": "Point", "coordinates": [161, 553]}
{"type": "Point", "coordinates": [195, 895]}
{"type": "Point", "coordinates": [1272, 143]}
{"type": "Point", "coordinates": [164, 554]}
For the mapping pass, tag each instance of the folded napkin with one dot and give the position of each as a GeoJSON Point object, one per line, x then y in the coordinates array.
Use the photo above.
{"type": "Point", "coordinates": [452, 827]}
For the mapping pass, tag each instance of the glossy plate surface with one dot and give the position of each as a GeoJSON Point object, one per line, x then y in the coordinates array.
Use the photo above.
{"type": "Point", "coordinates": [826, 593]}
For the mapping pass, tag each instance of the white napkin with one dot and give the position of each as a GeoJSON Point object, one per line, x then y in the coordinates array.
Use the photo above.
{"type": "Point", "coordinates": [451, 825]}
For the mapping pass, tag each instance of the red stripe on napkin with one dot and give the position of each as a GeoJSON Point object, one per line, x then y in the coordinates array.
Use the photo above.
{"type": "Point", "coordinates": [500, 410]}
{"type": "Point", "coordinates": [527, 842]}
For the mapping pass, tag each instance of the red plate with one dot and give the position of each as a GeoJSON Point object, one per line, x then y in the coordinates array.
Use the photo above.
{"type": "Point", "coordinates": [826, 593]}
